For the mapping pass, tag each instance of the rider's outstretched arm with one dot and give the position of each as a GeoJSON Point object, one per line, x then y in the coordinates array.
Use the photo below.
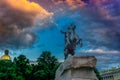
{"type": "Point", "coordinates": [63, 32]}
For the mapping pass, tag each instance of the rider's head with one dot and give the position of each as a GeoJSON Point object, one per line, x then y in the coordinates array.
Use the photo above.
{"type": "Point", "coordinates": [73, 26]}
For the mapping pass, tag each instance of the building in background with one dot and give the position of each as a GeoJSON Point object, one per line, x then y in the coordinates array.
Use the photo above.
{"type": "Point", "coordinates": [6, 56]}
{"type": "Point", "coordinates": [111, 74]}
{"type": "Point", "coordinates": [33, 63]}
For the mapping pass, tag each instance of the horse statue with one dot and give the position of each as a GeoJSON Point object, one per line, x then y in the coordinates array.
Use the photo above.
{"type": "Point", "coordinates": [71, 41]}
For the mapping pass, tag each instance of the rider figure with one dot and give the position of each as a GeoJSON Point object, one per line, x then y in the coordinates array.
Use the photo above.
{"type": "Point", "coordinates": [71, 40]}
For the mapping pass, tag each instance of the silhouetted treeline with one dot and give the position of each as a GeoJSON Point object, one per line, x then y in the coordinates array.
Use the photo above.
{"type": "Point", "coordinates": [21, 69]}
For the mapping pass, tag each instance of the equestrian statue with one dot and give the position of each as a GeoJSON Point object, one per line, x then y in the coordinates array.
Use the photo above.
{"type": "Point", "coordinates": [71, 40]}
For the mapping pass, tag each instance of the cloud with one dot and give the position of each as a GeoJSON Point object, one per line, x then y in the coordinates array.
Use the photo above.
{"type": "Point", "coordinates": [72, 4]}
{"type": "Point", "coordinates": [56, 2]}
{"type": "Point", "coordinates": [75, 3]}
{"type": "Point", "coordinates": [106, 31]}
{"type": "Point", "coordinates": [101, 51]}
{"type": "Point", "coordinates": [105, 58]}
{"type": "Point", "coordinates": [107, 61]}
{"type": "Point", "coordinates": [16, 18]}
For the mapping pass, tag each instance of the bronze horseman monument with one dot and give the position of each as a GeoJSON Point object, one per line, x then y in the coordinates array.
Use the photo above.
{"type": "Point", "coordinates": [75, 67]}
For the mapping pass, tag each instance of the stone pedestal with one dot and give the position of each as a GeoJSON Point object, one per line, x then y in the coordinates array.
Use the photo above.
{"type": "Point", "coordinates": [77, 68]}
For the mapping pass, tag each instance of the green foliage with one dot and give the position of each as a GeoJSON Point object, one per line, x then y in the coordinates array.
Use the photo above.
{"type": "Point", "coordinates": [97, 73]}
{"type": "Point", "coordinates": [23, 67]}
{"type": "Point", "coordinates": [47, 65]}
{"type": "Point", "coordinates": [7, 70]}
{"type": "Point", "coordinates": [20, 68]}
{"type": "Point", "coordinates": [19, 77]}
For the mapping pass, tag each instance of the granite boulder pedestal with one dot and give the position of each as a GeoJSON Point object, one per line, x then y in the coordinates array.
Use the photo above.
{"type": "Point", "coordinates": [77, 68]}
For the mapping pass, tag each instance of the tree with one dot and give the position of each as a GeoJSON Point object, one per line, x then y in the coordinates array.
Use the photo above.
{"type": "Point", "coordinates": [24, 69]}
{"type": "Point", "coordinates": [7, 70]}
{"type": "Point", "coordinates": [97, 73]}
{"type": "Point", "coordinates": [46, 68]}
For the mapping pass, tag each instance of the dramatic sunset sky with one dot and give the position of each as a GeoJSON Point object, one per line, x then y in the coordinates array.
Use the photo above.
{"type": "Point", "coordinates": [31, 26]}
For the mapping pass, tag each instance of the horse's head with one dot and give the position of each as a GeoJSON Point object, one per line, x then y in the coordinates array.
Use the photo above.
{"type": "Point", "coordinates": [73, 26]}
